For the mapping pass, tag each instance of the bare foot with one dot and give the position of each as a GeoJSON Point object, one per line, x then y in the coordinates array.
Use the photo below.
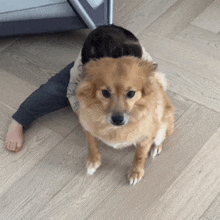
{"type": "Point", "coordinates": [14, 138]}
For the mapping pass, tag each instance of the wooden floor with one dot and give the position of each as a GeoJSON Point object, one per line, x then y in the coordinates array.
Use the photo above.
{"type": "Point", "coordinates": [47, 179]}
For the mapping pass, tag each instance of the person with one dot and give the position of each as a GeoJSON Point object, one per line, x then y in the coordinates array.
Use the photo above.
{"type": "Point", "coordinates": [60, 90]}
{"type": "Point", "coordinates": [47, 98]}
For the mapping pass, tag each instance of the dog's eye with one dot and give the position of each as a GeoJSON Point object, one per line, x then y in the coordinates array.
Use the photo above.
{"type": "Point", "coordinates": [130, 94]}
{"type": "Point", "coordinates": [106, 94]}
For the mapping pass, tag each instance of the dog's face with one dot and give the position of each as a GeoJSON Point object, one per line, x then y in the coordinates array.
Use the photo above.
{"type": "Point", "coordinates": [116, 89]}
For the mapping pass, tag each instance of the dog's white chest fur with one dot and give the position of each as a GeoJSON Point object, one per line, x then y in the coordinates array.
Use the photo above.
{"type": "Point", "coordinates": [161, 134]}
{"type": "Point", "coordinates": [118, 145]}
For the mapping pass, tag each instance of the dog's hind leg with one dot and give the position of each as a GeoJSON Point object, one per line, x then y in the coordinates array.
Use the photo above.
{"type": "Point", "coordinates": [157, 146]}
{"type": "Point", "coordinates": [156, 150]}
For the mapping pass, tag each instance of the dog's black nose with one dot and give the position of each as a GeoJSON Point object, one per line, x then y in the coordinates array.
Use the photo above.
{"type": "Point", "coordinates": [117, 119]}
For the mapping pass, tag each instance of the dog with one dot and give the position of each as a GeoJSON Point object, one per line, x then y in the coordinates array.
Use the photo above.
{"type": "Point", "coordinates": [122, 99]}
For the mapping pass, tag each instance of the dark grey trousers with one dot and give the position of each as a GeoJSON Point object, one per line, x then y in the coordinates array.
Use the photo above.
{"type": "Point", "coordinates": [49, 97]}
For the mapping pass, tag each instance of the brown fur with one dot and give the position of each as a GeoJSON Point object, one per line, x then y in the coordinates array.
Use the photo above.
{"type": "Point", "coordinates": [148, 111]}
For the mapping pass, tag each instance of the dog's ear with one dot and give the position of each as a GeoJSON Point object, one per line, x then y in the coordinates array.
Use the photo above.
{"type": "Point", "coordinates": [148, 66]}
{"type": "Point", "coordinates": [147, 86]}
{"type": "Point", "coordinates": [87, 86]}
{"type": "Point", "coordinates": [85, 89]}
{"type": "Point", "coordinates": [148, 69]}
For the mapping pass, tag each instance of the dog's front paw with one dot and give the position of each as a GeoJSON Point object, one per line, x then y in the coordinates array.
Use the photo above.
{"type": "Point", "coordinates": [92, 166]}
{"type": "Point", "coordinates": [135, 176]}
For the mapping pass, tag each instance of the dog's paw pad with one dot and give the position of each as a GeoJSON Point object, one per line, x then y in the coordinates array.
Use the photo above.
{"type": "Point", "coordinates": [156, 150]}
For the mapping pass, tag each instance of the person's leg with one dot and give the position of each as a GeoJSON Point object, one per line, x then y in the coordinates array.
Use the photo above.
{"type": "Point", "coordinates": [47, 98]}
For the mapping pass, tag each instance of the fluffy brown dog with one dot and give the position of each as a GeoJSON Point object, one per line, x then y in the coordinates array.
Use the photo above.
{"type": "Point", "coordinates": [123, 102]}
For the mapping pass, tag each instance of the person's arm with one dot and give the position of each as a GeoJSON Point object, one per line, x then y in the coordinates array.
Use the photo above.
{"type": "Point", "coordinates": [75, 78]}
{"type": "Point", "coordinates": [146, 55]}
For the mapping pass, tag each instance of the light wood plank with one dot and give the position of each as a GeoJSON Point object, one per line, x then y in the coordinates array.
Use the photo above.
{"type": "Point", "coordinates": [122, 8]}
{"type": "Point", "coordinates": [194, 189]}
{"type": "Point", "coordinates": [180, 104]}
{"type": "Point", "coordinates": [13, 90]}
{"type": "Point", "coordinates": [39, 141]}
{"type": "Point", "coordinates": [37, 58]}
{"type": "Point", "coordinates": [175, 19]}
{"type": "Point", "coordinates": [5, 119]}
{"type": "Point", "coordinates": [182, 55]}
{"type": "Point", "coordinates": [62, 121]}
{"type": "Point", "coordinates": [58, 49]}
{"type": "Point", "coordinates": [24, 66]}
{"type": "Point", "coordinates": [203, 40]}
{"type": "Point", "coordinates": [191, 86]}
{"type": "Point", "coordinates": [190, 73]}
{"type": "Point", "coordinates": [190, 135]}
{"type": "Point", "coordinates": [203, 218]}
{"type": "Point", "coordinates": [6, 42]}
{"type": "Point", "coordinates": [213, 212]}
{"type": "Point", "coordinates": [210, 18]}
{"type": "Point", "coordinates": [42, 182]}
{"type": "Point", "coordinates": [140, 14]}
